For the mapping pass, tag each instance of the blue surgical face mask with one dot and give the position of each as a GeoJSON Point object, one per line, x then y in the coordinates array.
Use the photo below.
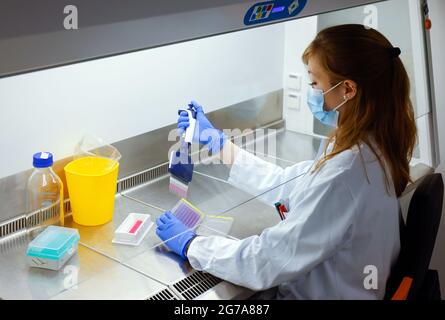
{"type": "Point", "coordinates": [315, 100]}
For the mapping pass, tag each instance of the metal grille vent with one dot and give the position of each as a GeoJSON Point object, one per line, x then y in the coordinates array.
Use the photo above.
{"type": "Point", "coordinates": [67, 207]}
{"type": "Point", "coordinates": [143, 177]}
{"type": "Point", "coordinates": [196, 284]}
{"type": "Point", "coordinates": [165, 294]}
{"type": "Point", "coordinates": [12, 226]}
{"type": "Point", "coordinates": [36, 218]}
{"type": "Point", "coordinates": [40, 216]}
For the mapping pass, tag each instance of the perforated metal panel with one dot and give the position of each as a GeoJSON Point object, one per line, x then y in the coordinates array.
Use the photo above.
{"type": "Point", "coordinates": [196, 284]}
{"type": "Point", "coordinates": [165, 294]}
{"type": "Point", "coordinates": [28, 221]}
{"type": "Point", "coordinates": [142, 177]}
{"type": "Point", "coordinates": [12, 226]}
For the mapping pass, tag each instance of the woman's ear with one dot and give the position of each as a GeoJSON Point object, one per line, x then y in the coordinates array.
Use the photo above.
{"type": "Point", "coordinates": [350, 89]}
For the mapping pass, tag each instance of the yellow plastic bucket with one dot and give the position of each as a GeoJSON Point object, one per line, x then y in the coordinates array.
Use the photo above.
{"type": "Point", "coordinates": [91, 185]}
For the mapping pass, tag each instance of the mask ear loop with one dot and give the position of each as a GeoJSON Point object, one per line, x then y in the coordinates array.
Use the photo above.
{"type": "Point", "coordinates": [346, 99]}
{"type": "Point", "coordinates": [333, 88]}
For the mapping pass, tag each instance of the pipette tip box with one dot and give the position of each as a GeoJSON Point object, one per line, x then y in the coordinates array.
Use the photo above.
{"type": "Point", "coordinates": [52, 248]}
{"type": "Point", "coordinates": [133, 230]}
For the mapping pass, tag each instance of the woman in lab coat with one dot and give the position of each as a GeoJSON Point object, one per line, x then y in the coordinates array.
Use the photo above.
{"type": "Point", "coordinates": [341, 234]}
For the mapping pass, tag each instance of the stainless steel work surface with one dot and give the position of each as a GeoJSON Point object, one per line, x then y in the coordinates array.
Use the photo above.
{"type": "Point", "coordinates": [100, 237]}
{"type": "Point", "coordinates": [19, 281]}
{"type": "Point", "coordinates": [159, 263]}
{"type": "Point", "coordinates": [168, 268]}
{"type": "Point", "coordinates": [151, 258]}
{"type": "Point", "coordinates": [115, 283]}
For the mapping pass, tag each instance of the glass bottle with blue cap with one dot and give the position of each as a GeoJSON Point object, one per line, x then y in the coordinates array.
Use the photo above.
{"type": "Point", "coordinates": [44, 195]}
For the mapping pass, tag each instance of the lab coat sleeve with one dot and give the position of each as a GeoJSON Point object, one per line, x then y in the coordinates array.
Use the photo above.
{"type": "Point", "coordinates": [317, 227]}
{"type": "Point", "coordinates": [259, 177]}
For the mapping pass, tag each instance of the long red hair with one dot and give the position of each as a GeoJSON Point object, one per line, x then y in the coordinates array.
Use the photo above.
{"type": "Point", "coordinates": [382, 109]}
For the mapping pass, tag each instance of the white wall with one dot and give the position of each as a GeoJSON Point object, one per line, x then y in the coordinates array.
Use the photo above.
{"type": "Point", "coordinates": [123, 96]}
{"type": "Point", "coordinates": [437, 15]}
{"type": "Point", "coordinates": [298, 35]}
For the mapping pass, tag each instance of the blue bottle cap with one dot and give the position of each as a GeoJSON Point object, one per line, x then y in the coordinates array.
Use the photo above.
{"type": "Point", "coordinates": [42, 160]}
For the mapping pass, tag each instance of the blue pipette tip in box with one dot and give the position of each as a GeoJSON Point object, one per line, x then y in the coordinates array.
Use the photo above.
{"type": "Point", "coordinates": [52, 248]}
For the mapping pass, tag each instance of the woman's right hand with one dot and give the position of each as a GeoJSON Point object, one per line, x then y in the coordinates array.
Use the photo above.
{"type": "Point", "coordinates": [205, 133]}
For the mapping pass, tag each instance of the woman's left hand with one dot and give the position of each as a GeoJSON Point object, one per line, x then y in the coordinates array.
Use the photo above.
{"type": "Point", "coordinates": [175, 234]}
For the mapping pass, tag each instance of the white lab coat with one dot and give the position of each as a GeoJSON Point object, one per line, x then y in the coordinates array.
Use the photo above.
{"type": "Point", "coordinates": [338, 225]}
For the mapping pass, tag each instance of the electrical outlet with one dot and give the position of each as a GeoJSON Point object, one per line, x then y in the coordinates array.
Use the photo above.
{"type": "Point", "coordinates": [294, 81]}
{"type": "Point", "coordinates": [294, 101]}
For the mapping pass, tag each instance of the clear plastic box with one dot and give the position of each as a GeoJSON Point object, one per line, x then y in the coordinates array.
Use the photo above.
{"type": "Point", "coordinates": [52, 248]}
{"type": "Point", "coordinates": [133, 230]}
{"type": "Point", "coordinates": [215, 225]}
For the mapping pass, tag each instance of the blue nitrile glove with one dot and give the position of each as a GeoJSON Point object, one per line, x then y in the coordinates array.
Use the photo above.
{"type": "Point", "coordinates": [170, 227]}
{"type": "Point", "coordinates": [205, 133]}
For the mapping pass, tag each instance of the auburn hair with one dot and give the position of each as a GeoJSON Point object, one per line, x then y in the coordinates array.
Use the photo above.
{"type": "Point", "coordinates": [381, 113]}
